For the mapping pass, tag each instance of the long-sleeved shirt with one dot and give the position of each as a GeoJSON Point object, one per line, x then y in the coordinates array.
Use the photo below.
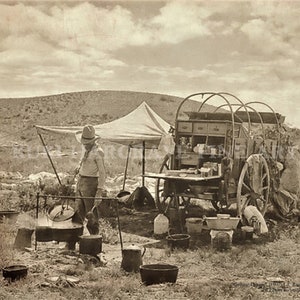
{"type": "Point", "coordinates": [92, 165]}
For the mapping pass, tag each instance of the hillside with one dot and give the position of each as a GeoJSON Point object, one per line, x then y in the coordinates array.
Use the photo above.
{"type": "Point", "coordinates": [95, 107]}
{"type": "Point", "coordinates": [19, 143]}
{"type": "Point", "coordinates": [20, 147]}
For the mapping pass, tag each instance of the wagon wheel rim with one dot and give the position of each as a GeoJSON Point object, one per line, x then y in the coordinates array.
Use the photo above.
{"type": "Point", "coordinates": [254, 184]}
{"type": "Point", "coordinates": [162, 200]}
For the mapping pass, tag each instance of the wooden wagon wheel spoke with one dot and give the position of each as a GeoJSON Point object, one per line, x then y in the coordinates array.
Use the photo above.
{"type": "Point", "coordinates": [247, 195]}
{"type": "Point", "coordinates": [256, 181]}
{"type": "Point", "coordinates": [246, 186]}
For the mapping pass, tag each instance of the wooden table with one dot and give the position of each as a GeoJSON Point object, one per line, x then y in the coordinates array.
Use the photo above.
{"type": "Point", "coordinates": [188, 177]}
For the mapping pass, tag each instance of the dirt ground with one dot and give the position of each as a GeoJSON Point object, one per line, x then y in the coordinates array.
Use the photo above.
{"type": "Point", "coordinates": [263, 268]}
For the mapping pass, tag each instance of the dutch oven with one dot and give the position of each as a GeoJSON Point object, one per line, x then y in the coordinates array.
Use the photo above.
{"type": "Point", "coordinates": [158, 273]}
{"type": "Point", "coordinates": [15, 272]}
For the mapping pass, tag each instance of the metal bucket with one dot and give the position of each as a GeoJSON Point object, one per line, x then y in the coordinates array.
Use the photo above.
{"type": "Point", "coordinates": [194, 225]}
{"type": "Point", "coordinates": [180, 241]}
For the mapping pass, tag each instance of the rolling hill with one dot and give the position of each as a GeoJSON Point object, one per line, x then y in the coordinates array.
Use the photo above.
{"type": "Point", "coordinates": [79, 108]}
{"type": "Point", "coordinates": [19, 143]}
{"type": "Point", "coordinates": [21, 149]}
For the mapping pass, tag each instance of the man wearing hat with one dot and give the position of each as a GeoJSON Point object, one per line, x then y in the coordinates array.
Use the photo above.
{"type": "Point", "coordinates": [91, 178]}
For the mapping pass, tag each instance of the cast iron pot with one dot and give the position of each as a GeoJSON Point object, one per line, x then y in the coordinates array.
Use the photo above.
{"type": "Point", "coordinates": [90, 244]}
{"type": "Point", "coordinates": [180, 241]}
{"type": "Point", "coordinates": [158, 273]}
{"type": "Point", "coordinates": [15, 272]}
{"type": "Point", "coordinates": [43, 234]}
{"type": "Point", "coordinates": [70, 233]}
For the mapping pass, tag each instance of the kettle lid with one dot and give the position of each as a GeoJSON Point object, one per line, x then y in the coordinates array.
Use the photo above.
{"type": "Point", "coordinates": [132, 247]}
{"type": "Point", "coordinates": [61, 213]}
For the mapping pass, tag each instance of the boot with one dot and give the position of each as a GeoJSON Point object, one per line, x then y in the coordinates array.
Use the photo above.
{"type": "Point", "coordinates": [70, 245]}
{"type": "Point", "coordinates": [92, 223]}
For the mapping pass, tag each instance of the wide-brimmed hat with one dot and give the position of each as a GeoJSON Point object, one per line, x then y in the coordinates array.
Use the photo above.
{"type": "Point", "coordinates": [88, 135]}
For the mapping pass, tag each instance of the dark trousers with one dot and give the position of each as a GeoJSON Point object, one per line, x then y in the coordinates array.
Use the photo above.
{"type": "Point", "coordinates": [87, 187]}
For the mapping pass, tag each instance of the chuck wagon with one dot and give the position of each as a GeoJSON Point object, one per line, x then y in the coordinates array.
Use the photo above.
{"type": "Point", "coordinates": [226, 156]}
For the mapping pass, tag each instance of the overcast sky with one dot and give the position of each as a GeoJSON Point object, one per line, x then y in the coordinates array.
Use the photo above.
{"type": "Point", "coordinates": [250, 49]}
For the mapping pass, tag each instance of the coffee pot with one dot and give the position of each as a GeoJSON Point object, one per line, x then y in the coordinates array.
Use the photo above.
{"type": "Point", "coordinates": [132, 258]}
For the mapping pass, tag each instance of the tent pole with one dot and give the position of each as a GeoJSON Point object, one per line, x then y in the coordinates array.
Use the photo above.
{"type": "Point", "coordinates": [43, 142]}
{"type": "Point", "coordinates": [126, 167]}
{"type": "Point", "coordinates": [143, 164]}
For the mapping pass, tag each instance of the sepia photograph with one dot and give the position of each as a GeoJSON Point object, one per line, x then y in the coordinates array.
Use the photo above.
{"type": "Point", "coordinates": [149, 149]}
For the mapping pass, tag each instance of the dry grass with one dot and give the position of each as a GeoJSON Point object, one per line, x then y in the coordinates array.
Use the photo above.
{"type": "Point", "coordinates": [241, 273]}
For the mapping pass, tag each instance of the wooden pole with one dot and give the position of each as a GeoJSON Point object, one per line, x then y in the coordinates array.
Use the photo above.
{"type": "Point", "coordinates": [143, 164]}
{"type": "Point", "coordinates": [37, 214]}
{"type": "Point", "coordinates": [44, 144]}
{"type": "Point", "coordinates": [126, 167]}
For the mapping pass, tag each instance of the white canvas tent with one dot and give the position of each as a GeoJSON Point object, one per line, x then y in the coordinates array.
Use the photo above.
{"type": "Point", "coordinates": [140, 125]}
{"type": "Point", "coordinates": [142, 128]}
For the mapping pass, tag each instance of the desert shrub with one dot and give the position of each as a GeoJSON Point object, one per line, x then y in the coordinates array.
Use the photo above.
{"type": "Point", "coordinates": [27, 196]}
{"type": "Point", "coordinates": [108, 233]}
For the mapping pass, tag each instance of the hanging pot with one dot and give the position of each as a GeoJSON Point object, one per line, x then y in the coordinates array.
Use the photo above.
{"type": "Point", "coordinates": [132, 258]}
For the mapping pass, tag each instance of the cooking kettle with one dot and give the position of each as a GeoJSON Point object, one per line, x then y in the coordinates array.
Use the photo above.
{"type": "Point", "coordinates": [132, 258]}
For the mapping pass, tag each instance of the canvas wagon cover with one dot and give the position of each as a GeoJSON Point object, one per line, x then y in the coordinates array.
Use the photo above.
{"type": "Point", "coordinates": [142, 124]}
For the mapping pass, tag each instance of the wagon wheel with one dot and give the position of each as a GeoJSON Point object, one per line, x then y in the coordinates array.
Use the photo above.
{"type": "Point", "coordinates": [161, 198]}
{"type": "Point", "coordinates": [254, 184]}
